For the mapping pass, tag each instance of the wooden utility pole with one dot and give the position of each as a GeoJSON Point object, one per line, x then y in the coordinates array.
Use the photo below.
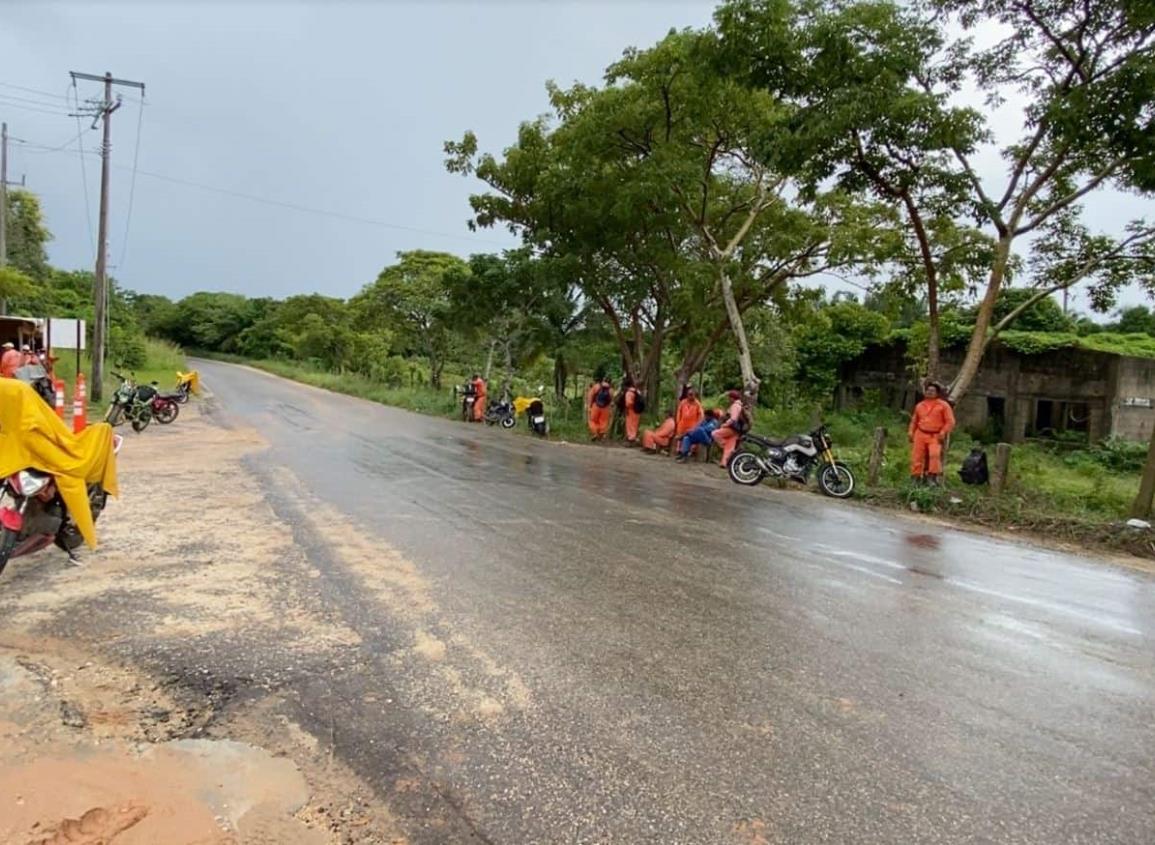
{"type": "Point", "coordinates": [102, 111]}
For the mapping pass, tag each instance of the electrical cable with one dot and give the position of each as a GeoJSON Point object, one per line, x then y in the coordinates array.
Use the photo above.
{"type": "Point", "coordinates": [8, 105]}
{"type": "Point", "coordinates": [83, 169]}
{"type": "Point", "coordinates": [34, 91]}
{"type": "Point", "coordinates": [131, 184]}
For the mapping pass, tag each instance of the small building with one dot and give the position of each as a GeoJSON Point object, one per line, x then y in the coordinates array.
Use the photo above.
{"type": "Point", "coordinates": [1017, 395]}
{"type": "Point", "coordinates": [20, 331]}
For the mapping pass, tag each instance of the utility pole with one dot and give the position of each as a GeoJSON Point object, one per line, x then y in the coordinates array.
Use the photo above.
{"type": "Point", "coordinates": [102, 111]}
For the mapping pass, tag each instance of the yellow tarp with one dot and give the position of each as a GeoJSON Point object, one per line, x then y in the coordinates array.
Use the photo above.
{"type": "Point", "coordinates": [193, 378]}
{"type": "Point", "coordinates": [33, 437]}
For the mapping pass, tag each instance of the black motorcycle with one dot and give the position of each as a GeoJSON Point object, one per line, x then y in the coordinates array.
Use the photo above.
{"type": "Point", "coordinates": [130, 404]}
{"type": "Point", "coordinates": [468, 400]}
{"type": "Point", "coordinates": [535, 416]}
{"type": "Point", "coordinates": [501, 413]}
{"type": "Point", "coordinates": [794, 457]}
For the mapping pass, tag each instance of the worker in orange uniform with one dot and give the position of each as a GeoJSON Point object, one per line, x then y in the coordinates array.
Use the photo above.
{"type": "Point", "coordinates": [599, 408]}
{"type": "Point", "coordinates": [931, 422]}
{"type": "Point", "coordinates": [732, 428]}
{"type": "Point", "coordinates": [660, 437]}
{"type": "Point", "coordinates": [690, 413]}
{"type": "Point", "coordinates": [10, 361]}
{"type": "Point", "coordinates": [479, 403]}
{"type": "Point", "coordinates": [629, 408]}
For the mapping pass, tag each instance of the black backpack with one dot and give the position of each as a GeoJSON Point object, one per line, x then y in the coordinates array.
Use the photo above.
{"type": "Point", "coordinates": [743, 423]}
{"type": "Point", "coordinates": [974, 468]}
{"type": "Point", "coordinates": [603, 397]}
{"type": "Point", "coordinates": [639, 402]}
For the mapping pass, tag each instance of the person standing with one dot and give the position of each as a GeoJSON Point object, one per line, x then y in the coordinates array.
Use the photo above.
{"type": "Point", "coordinates": [662, 436]}
{"type": "Point", "coordinates": [630, 409]}
{"type": "Point", "coordinates": [733, 427]}
{"type": "Point", "coordinates": [599, 408]}
{"type": "Point", "coordinates": [10, 361]}
{"type": "Point", "coordinates": [479, 401]}
{"type": "Point", "coordinates": [932, 420]}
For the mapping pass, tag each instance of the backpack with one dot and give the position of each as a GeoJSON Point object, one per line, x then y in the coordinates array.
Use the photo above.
{"type": "Point", "coordinates": [974, 468]}
{"type": "Point", "coordinates": [639, 402]}
{"type": "Point", "coordinates": [603, 397]}
{"type": "Point", "coordinates": [743, 423]}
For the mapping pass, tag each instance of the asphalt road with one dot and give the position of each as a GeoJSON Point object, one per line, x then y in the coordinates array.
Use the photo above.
{"type": "Point", "coordinates": [647, 653]}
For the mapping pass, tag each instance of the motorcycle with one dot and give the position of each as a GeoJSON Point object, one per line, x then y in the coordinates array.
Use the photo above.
{"type": "Point", "coordinates": [794, 457]}
{"type": "Point", "coordinates": [468, 400]}
{"type": "Point", "coordinates": [534, 411]}
{"type": "Point", "coordinates": [36, 376]}
{"type": "Point", "coordinates": [163, 406]}
{"type": "Point", "coordinates": [501, 412]}
{"type": "Point", "coordinates": [127, 405]}
{"type": "Point", "coordinates": [33, 515]}
{"type": "Point", "coordinates": [186, 383]}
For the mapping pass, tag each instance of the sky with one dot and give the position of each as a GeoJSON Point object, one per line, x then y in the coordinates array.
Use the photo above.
{"type": "Point", "coordinates": [338, 107]}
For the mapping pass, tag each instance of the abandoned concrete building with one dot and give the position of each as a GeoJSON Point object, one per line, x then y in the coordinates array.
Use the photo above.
{"type": "Point", "coordinates": [1018, 396]}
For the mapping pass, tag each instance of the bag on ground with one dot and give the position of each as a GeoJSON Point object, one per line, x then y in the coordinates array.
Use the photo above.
{"type": "Point", "coordinates": [974, 468]}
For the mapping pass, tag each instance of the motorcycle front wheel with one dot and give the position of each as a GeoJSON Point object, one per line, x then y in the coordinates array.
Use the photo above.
{"type": "Point", "coordinates": [140, 421]}
{"type": "Point", "coordinates": [166, 413]}
{"type": "Point", "coordinates": [744, 469]}
{"type": "Point", "coordinates": [508, 422]}
{"type": "Point", "coordinates": [115, 415]}
{"type": "Point", "coordinates": [836, 480]}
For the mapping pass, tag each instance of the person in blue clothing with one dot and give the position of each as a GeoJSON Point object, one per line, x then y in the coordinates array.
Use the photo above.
{"type": "Point", "coordinates": [700, 435]}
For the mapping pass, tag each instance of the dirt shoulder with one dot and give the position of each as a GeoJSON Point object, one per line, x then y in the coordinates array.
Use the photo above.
{"type": "Point", "coordinates": [116, 723]}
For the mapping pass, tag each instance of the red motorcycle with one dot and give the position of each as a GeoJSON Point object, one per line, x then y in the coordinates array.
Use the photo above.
{"type": "Point", "coordinates": [33, 515]}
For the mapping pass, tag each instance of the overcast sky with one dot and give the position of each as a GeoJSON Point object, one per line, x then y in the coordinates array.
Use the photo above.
{"type": "Point", "coordinates": [339, 107]}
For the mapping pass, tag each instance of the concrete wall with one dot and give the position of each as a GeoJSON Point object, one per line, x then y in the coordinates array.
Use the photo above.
{"type": "Point", "coordinates": [1100, 381]}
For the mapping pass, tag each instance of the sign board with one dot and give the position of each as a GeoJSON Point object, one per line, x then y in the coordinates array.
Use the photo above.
{"type": "Point", "coordinates": [1137, 402]}
{"type": "Point", "coordinates": [64, 333]}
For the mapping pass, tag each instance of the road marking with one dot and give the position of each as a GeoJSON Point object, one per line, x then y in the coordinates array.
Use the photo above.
{"type": "Point", "coordinates": [1044, 605]}
{"type": "Point", "coordinates": [867, 571]}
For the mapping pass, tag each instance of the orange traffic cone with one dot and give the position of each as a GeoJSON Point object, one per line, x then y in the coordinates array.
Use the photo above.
{"type": "Point", "coordinates": [79, 405]}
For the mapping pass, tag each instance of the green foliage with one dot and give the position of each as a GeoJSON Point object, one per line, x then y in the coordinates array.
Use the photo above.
{"type": "Point", "coordinates": [1045, 315]}
{"type": "Point", "coordinates": [126, 348]}
{"type": "Point", "coordinates": [840, 333]}
{"type": "Point", "coordinates": [28, 237]}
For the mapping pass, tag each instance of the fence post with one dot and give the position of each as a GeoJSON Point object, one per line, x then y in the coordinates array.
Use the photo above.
{"type": "Point", "coordinates": [877, 453]}
{"type": "Point", "coordinates": [1141, 508]}
{"type": "Point", "coordinates": [1002, 464]}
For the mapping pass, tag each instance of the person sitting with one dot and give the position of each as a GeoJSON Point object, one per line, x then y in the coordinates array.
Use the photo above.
{"type": "Point", "coordinates": [701, 435]}
{"type": "Point", "coordinates": [10, 361]}
{"type": "Point", "coordinates": [660, 438]}
{"type": "Point", "coordinates": [735, 424]}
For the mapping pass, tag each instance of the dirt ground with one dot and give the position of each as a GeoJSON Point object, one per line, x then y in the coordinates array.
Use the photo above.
{"type": "Point", "coordinates": [104, 743]}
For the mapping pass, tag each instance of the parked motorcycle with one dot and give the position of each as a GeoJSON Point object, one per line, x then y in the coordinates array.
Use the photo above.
{"type": "Point", "coordinates": [163, 406]}
{"type": "Point", "coordinates": [36, 376]}
{"type": "Point", "coordinates": [534, 410]}
{"type": "Point", "coordinates": [501, 412]}
{"type": "Point", "coordinates": [186, 384]}
{"type": "Point", "coordinates": [33, 514]}
{"type": "Point", "coordinates": [794, 457]}
{"type": "Point", "coordinates": [468, 400]}
{"type": "Point", "coordinates": [127, 405]}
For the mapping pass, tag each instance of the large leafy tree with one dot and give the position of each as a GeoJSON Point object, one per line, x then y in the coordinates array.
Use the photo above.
{"type": "Point", "coordinates": [411, 300]}
{"type": "Point", "coordinates": [28, 236]}
{"type": "Point", "coordinates": [889, 75]}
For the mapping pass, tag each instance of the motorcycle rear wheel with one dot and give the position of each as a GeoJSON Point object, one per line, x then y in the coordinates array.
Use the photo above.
{"type": "Point", "coordinates": [8, 540]}
{"type": "Point", "coordinates": [140, 420]}
{"type": "Point", "coordinates": [836, 480]}
{"type": "Point", "coordinates": [167, 412]}
{"type": "Point", "coordinates": [744, 469]}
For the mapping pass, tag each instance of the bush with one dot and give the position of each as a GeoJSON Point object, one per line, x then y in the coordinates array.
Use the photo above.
{"type": "Point", "coordinates": [126, 348]}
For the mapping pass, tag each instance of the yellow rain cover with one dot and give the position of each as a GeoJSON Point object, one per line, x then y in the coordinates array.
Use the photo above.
{"type": "Point", "coordinates": [521, 404]}
{"type": "Point", "coordinates": [193, 378]}
{"type": "Point", "coordinates": [33, 437]}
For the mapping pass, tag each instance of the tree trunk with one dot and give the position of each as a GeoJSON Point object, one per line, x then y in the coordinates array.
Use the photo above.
{"type": "Point", "coordinates": [489, 361]}
{"type": "Point", "coordinates": [978, 342]}
{"type": "Point", "coordinates": [745, 360]}
{"type": "Point", "coordinates": [934, 333]}
{"type": "Point", "coordinates": [435, 367]}
{"type": "Point", "coordinates": [560, 377]}
{"type": "Point", "coordinates": [507, 376]}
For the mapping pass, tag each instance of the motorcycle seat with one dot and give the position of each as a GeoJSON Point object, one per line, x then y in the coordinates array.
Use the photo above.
{"type": "Point", "coordinates": [792, 440]}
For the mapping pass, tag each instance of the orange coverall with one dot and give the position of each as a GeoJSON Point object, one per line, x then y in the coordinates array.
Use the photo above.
{"type": "Point", "coordinates": [479, 402]}
{"type": "Point", "coordinates": [599, 418]}
{"type": "Point", "coordinates": [633, 418]}
{"type": "Point", "coordinates": [931, 422]}
{"type": "Point", "coordinates": [726, 436]}
{"type": "Point", "coordinates": [690, 413]}
{"type": "Point", "coordinates": [659, 438]}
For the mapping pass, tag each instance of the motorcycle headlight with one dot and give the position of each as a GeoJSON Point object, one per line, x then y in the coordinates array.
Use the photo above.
{"type": "Point", "coordinates": [31, 483]}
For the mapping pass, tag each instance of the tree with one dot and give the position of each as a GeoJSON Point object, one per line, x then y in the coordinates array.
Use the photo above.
{"type": "Point", "coordinates": [1137, 319]}
{"type": "Point", "coordinates": [1082, 70]}
{"type": "Point", "coordinates": [411, 299]}
{"type": "Point", "coordinates": [27, 235]}
{"type": "Point", "coordinates": [1031, 314]}
{"type": "Point", "coordinates": [212, 321]}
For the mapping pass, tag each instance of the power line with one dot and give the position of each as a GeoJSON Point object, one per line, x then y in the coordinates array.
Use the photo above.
{"type": "Point", "coordinates": [8, 105]}
{"type": "Point", "coordinates": [40, 103]}
{"type": "Point", "coordinates": [83, 170]}
{"type": "Point", "coordinates": [338, 215]}
{"type": "Point", "coordinates": [34, 91]}
{"type": "Point", "coordinates": [132, 184]}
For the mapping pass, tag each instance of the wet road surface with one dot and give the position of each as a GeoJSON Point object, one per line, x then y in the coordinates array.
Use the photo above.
{"type": "Point", "coordinates": [648, 653]}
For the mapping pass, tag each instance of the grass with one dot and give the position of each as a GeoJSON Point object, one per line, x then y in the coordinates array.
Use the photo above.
{"type": "Point", "coordinates": [1075, 494]}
